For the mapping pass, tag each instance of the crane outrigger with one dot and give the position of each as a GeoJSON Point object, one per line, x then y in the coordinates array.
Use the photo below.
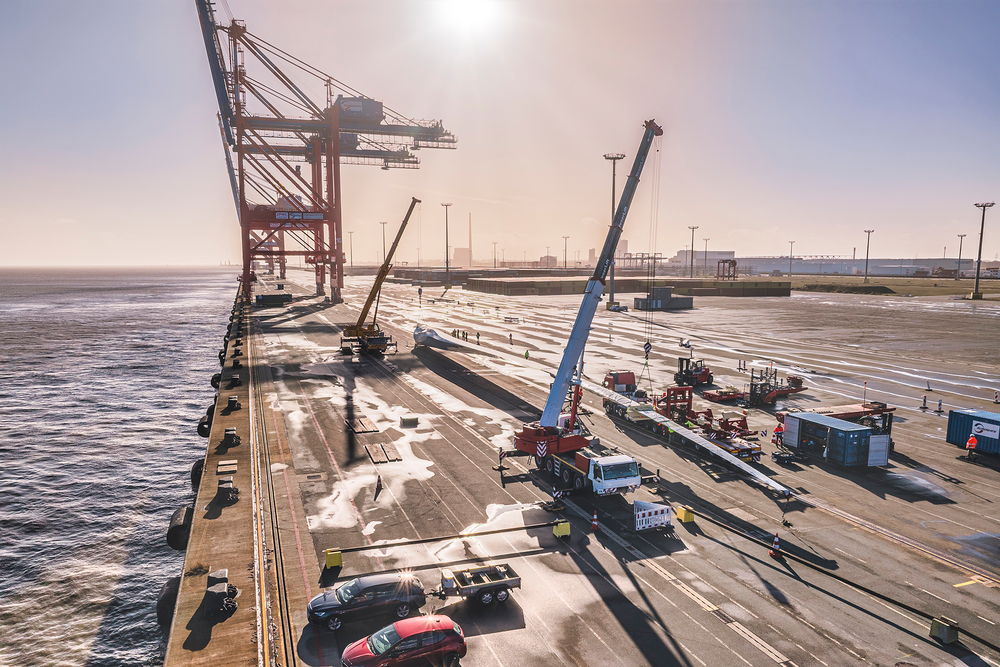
{"type": "Point", "coordinates": [370, 338]}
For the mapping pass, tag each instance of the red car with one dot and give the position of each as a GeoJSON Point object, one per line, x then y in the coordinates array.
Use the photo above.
{"type": "Point", "coordinates": [435, 640]}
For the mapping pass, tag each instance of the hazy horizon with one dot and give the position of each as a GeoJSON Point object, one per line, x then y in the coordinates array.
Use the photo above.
{"type": "Point", "coordinates": [783, 120]}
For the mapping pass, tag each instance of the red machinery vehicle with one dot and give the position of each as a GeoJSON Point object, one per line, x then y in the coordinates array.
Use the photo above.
{"type": "Point", "coordinates": [724, 395]}
{"type": "Point", "coordinates": [692, 372]}
{"type": "Point", "coordinates": [765, 388]}
{"type": "Point", "coordinates": [735, 424]}
{"type": "Point", "coordinates": [677, 403]}
{"type": "Point", "coordinates": [624, 383]}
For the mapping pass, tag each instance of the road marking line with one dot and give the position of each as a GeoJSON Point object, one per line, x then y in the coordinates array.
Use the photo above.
{"type": "Point", "coordinates": [932, 595]}
{"type": "Point", "coordinates": [985, 619]}
{"type": "Point", "coordinates": [965, 583]}
{"type": "Point", "coordinates": [850, 555]}
{"type": "Point", "coordinates": [758, 642]}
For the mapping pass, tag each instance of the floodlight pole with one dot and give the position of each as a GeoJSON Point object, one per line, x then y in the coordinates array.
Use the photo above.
{"type": "Point", "coordinates": [976, 294]}
{"type": "Point", "coordinates": [692, 228]}
{"type": "Point", "coordinates": [867, 247]}
{"type": "Point", "coordinates": [958, 270]}
{"type": "Point", "coordinates": [613, 157]}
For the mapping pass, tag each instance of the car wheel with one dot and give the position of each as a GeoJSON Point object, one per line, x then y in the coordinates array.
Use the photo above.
{"type": "Point", "coordinates": [549, 465]}
{"type": "Point", "coordinates": [334, 623]}
{"type": "Point", "coordinates": [503, 595]}
{"type": "Point", "coordinates": [450, 660]}
{"type": "Point", "coordinates": [540, 462]}
{"type": "Point", "coordinates": [578, 483]}
{"type": "Point", "coordinates": [402, 610]}
{"type": "Point", "coordinates": [486, 598]}
{"type": "Point", "coordinates": [566, 477]}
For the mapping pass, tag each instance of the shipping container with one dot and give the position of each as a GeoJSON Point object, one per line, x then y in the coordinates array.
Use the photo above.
{"type": "Point", "coordinates": [836, 440]}
{"type": "Point", "coordinates": [984, 425]}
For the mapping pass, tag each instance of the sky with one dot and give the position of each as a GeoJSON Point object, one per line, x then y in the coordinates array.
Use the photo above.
{"type": "Point", "coordinates": [784, 120]}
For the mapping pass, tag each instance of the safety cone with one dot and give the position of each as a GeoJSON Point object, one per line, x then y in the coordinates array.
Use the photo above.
{"type": "Point", "coordinates": [594, 526]}
{"type": "Point", "coordinates": [775, 550]}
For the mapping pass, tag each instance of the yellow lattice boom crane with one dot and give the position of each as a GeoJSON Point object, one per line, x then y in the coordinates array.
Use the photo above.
{"type": "Point", "coordinates": [363, 337]}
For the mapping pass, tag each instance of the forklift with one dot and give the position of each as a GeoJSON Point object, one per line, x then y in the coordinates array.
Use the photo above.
{"type": "Point", "coordinates": [692, 372]}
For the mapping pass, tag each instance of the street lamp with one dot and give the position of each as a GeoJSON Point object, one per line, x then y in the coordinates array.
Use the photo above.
{"type": "Point", "coordinates": [383, 239]}
{"type": "Point", "coordinates": [706, 255]}
{"type": "Point", "coordinates": [791, 244]}
{"type": "Point", "coordinates": [565, 242]}
{"type": "Point", "coordinates": [958, 271]}
{"type": "Point", "coordinates": [350, 236]}
{"type": "Point", "coordinates": [868, 244]}
{"type": "Point", "coordinates": [447, 263]}
{"type": "Point", "coordinates": [976, 294]}
{"type": "Point", "coordinates": [613, 157]}
{"type": "Point", "coordinates": [692, 228]}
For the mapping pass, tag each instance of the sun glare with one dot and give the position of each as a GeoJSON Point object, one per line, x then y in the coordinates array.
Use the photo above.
{"type": "Point", "coordinates": [469, 16]}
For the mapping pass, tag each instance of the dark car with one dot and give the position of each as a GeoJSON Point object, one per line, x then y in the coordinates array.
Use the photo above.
{"type": "Point", "coordinates": [394, 595]}
{"type": "Point", "coordinates": [435, 640]}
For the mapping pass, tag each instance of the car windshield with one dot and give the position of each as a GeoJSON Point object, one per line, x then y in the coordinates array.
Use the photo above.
{"type": "Point", "coordinates": [347, 592]}
{"type": "Point", "coordinates": [383, 640]}
{"type": "Point", "coordinates": [621, 470]}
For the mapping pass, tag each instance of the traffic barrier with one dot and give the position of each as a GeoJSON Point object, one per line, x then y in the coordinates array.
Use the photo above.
{"type": "Point", "coordinates": [944, 629]}
{"type": "Point", "coordinates": [684, 514]}
{"type": "Point", "coordinates": [334, 556]}
{"type": "Point", "coordinates": [594, 525]}
{"type": "Point", "coordinates": [775, 550]}
{"type": "Point", "coordinates": [561, 529]}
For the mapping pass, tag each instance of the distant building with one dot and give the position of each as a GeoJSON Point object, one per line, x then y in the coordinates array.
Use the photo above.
{"type": "Point", "coordinates": [592, 257]}
{"type": "Point", "coordinates": [548, 261]}
{"type": "Point", "coordinates": [622, 247]}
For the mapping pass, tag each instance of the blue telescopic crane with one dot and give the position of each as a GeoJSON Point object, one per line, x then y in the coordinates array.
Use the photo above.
{"type": "Point", "coordinates": [549, 436]}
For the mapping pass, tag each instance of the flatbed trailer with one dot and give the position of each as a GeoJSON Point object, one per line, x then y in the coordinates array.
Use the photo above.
{"type": "Point", "coordinates": [487, 584]}
{"type": "Point", "coordinates": [745, 451]}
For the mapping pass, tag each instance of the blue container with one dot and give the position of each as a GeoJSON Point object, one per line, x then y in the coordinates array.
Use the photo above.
{"type": "Point", "coordinates": [841, 442]}
{"type": "Point", "coordinates": [984, 425]}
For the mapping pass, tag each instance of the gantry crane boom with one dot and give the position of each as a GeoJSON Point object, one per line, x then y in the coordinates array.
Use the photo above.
{"type": "Point", "coordinates": [370, 337]}
{"type": "Point", "coordinates": [592, 295]}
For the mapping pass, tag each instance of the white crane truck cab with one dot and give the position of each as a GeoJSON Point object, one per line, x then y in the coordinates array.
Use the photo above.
{"type": "Point", "coordinates": [614, 474]}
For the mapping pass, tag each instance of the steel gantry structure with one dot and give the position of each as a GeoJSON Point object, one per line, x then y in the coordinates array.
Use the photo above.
{"type": "Point", "coordinates": [284, 150]}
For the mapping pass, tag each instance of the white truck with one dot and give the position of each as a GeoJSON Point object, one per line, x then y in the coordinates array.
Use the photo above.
{"type": "Point", "coordinates": [585, 469]}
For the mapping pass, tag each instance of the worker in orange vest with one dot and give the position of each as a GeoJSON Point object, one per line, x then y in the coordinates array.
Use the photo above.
{"type": "Point", "coordinates": [779, 432]}
{"type": "Point", "coordinates": [970, 447]}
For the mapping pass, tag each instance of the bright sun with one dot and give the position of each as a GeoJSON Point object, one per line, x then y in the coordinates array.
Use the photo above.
{"type": "Point", "coordinates": [469, 16]}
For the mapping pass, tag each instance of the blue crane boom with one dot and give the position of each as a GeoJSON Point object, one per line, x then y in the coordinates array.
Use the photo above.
{"type": "Point", "coordinates": [569, 365]}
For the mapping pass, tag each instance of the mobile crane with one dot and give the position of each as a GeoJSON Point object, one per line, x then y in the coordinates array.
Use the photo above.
{"type": "Point", "coordinates": [559, 442]}
{"type": "Point", "coordinates": [370, 338]}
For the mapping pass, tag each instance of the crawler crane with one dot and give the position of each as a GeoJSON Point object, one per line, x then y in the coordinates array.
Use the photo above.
{"type": "Point", "coordinates": [370, 338]}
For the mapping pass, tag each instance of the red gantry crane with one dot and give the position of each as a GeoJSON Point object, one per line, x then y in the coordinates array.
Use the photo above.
{"type": "Point", "coordinates": [284, 149]}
